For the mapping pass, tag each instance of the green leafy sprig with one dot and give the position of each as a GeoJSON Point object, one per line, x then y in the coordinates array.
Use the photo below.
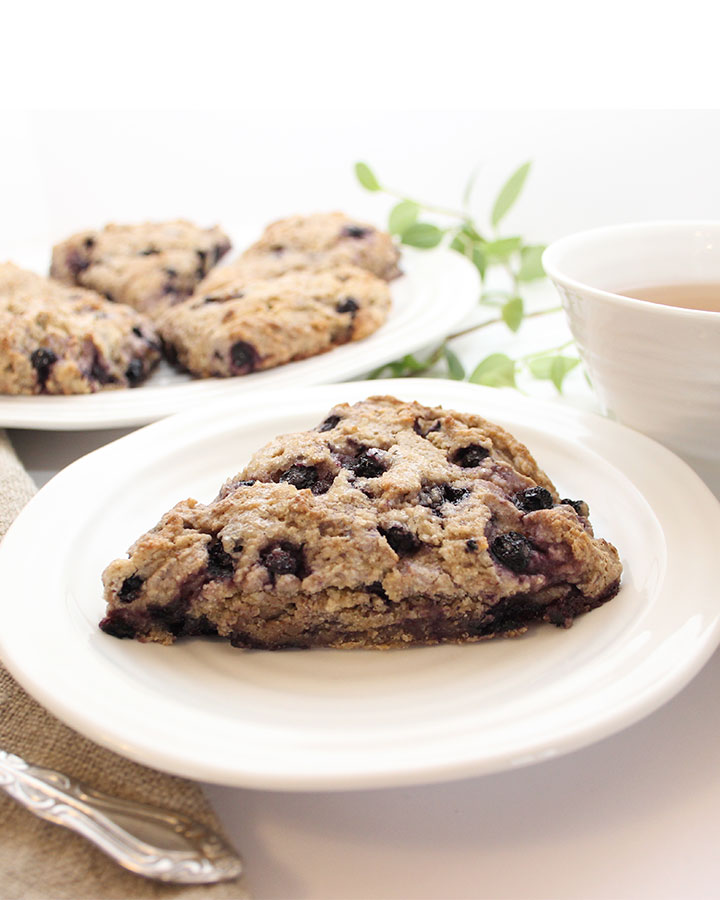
{"type": "Point", "coordinates": [520, 263]}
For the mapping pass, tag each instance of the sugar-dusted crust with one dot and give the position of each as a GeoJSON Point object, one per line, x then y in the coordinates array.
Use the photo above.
{"type": "Point", "coordinates": [56, 339]}
{"type": "Point", "coordinates": [323, 240]}
{"type": "Point", "coordinates": [389, 524]}
{"type": "Point", "coordinates": [252, 325]}
{"type": "Point", "coordinates": [149, 266]}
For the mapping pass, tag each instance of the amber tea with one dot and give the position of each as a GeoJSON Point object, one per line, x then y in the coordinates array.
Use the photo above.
{"type": "Point", "coordinates": [695, 295]}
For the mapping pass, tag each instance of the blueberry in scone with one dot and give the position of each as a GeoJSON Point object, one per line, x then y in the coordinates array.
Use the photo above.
{"type": "Point", "coordinates": [378, 528]}
{"type": "Point", "coordinates": [247, 326]}
{"type": "Point", "coordinates": [326, 240]}
{"type": "Point", "coordinates": [149, 266]}
{"type": "Point", "coordinates": [56, 339]}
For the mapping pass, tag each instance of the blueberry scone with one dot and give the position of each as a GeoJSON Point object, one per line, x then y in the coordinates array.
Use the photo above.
{"type": "Point", "coordinates": [149, 266]}
{"type": "Point", "coordinates": [389, 524]}
{"type": "Point", "coordinates": [252, 325]}
{"type": "Point", "coordinates": [56, 339]}
{"type": "Point", "coordinates": [324, 240]}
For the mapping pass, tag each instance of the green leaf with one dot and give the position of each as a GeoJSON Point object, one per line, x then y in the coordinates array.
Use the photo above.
{"type": "Point", "coordinates": [465, 239]}
{"type": "Point", "coordinates": [513, 313]}
{"type": "Point", "coordinates": [455, 367]}
{"type": "Point", "coordinates": [509, 193]}
{"type": "Point", "coordinates": [553, 368]}
{"type": "Point", "coordinates": [541, 367]}
{"type": "Point", "coordinates": [502, 249]}
{"type": "Point", "coordinates": [496, 370]}
{"type": "Point", "coordinates": [365, 176]}
{"type": "Point", "coordinates": [479, 259]}
{"type": "Point", "coordinates": [423, 235]}
{"type": "Point", "coordinates": [531, 266]}
{"type": "Point", "coordinates": [468, 242]}
{"type": "Point", "coordinates": [412, 364]}
{"type": "Point", "coordinates": [402, 216]}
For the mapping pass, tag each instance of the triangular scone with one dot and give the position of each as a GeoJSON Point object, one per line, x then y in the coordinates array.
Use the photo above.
{"type": "Point", "coordinates": [149, 266]}
{"type": "Point", "coordinates": [389, 524]}
{"type": "Point", "coordinates": [325, 240]}
{"type": "Point", "coordinates": [258, 325]}
{"type": "Point", "coordinates": [57, 339]}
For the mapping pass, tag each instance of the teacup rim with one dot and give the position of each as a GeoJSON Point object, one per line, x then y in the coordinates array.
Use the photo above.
{"type": "Point", "coordinates": [556, 246]}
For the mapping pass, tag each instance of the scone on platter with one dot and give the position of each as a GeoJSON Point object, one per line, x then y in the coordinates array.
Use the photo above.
{"type": "Point", "coordinates": [56, 339]}
{"type": "Point", "coordinates": [246, 326]}
{"type": "Point", "coordinates": [149, 266]}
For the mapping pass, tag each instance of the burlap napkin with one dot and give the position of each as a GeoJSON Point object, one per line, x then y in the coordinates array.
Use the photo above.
{"type": "Point", "coordinates": [40, 861]}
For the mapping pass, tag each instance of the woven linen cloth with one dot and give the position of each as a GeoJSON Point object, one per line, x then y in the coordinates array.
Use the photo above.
{"type": "Point", "coordinates": [42, 861]}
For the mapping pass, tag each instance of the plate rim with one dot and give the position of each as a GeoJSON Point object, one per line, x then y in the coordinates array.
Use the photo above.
{"type": "Point", "coordinates": [643, 704]}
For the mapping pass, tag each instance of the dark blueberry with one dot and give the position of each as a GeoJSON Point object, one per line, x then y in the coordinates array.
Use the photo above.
{"type": "Point", "coordinates": [136, 331]}
{"type": "Point", "coordinates": [149, 251]}
{"type": "Point", "coordinates": [329, 423]}
{"type": "Point", "coordinates": [130, 589]}
{"type": "Point", "coordinates": [471, 545]}
{"type": "Point", "coordinates": [431, 496]}
{"type": "Point", "coordinates": [470, 456]}
{"type": "Point", "coordinates": [170, 351]}
{"type": "Point", "coordinates": [89, 243]}
{"type": "Point", "coordinates": [513, 550]}
{"type": "Point", "coordinates": [248, 483]}
{"type": "Point", "coordinates": [99, 370]}
{"type": "Point", "coordinates": [134, 372]}
{"type": "Point", "coordinates": [580, 506]}
{"type": "Point", "coordinates": [243, 358]}
{"type": "Point", "coordinates": [117, 626]}
{"type": "Point", "coordinates": [171, 272]}
{"type": "Point", "coordinates": [377, 589]}
{"type": "Point", "coordinates": [237, 547]}
{"type": "Point", "coordinates": [533, 498]}
{"type": "Point", "coordinates": [435, 495]}
{"type": "Point", "coordinates": [403, 542]}
{"type": "Point", "coordinates": [300, 476]}
{"type": "Point", "coordinates": [348, 305]}
{"type": "Point", "coordinates": [418, 428]}
{"type": "Point", "coordinates": [169, 288]}
{"type": "Point", "coordinates": [368, 464]}
{"type": "Point", "coordinates": [220, 563]}
{"type": "Point", "coordinates": [453, 494]}
{"type": "Point", "coordinates": [76, 262]}
{"type": "Point", "coordinates": [42, 359]}
{"type": "Point", "coordinates": [283, 559]}
{"type": "Point", "coordinates": [355, 231]}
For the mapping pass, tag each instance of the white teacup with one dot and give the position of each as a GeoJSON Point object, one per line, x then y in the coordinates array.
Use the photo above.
{"type": "Point", "coordinates": [655, 368]}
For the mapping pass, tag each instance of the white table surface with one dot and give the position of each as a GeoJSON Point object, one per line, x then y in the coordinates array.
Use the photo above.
{"type": "Point", "coordinates": [634, 816]}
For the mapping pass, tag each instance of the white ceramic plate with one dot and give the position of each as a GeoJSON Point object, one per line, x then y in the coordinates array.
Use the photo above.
{"type": "Point", "coordinates": [438, 290]}
{"type": "Point", "coordinates": [327, 719]}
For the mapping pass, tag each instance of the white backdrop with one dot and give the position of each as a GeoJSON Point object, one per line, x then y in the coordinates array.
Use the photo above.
{"type": "Point", "coordinates": [67, 170]}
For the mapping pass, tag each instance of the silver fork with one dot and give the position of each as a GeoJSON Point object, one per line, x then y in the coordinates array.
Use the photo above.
{"type": "Point", "coordinates": [160, 844]}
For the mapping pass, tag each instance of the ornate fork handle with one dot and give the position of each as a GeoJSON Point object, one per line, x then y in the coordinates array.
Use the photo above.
{"type": "Point", "coordinates": [156, 843]}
